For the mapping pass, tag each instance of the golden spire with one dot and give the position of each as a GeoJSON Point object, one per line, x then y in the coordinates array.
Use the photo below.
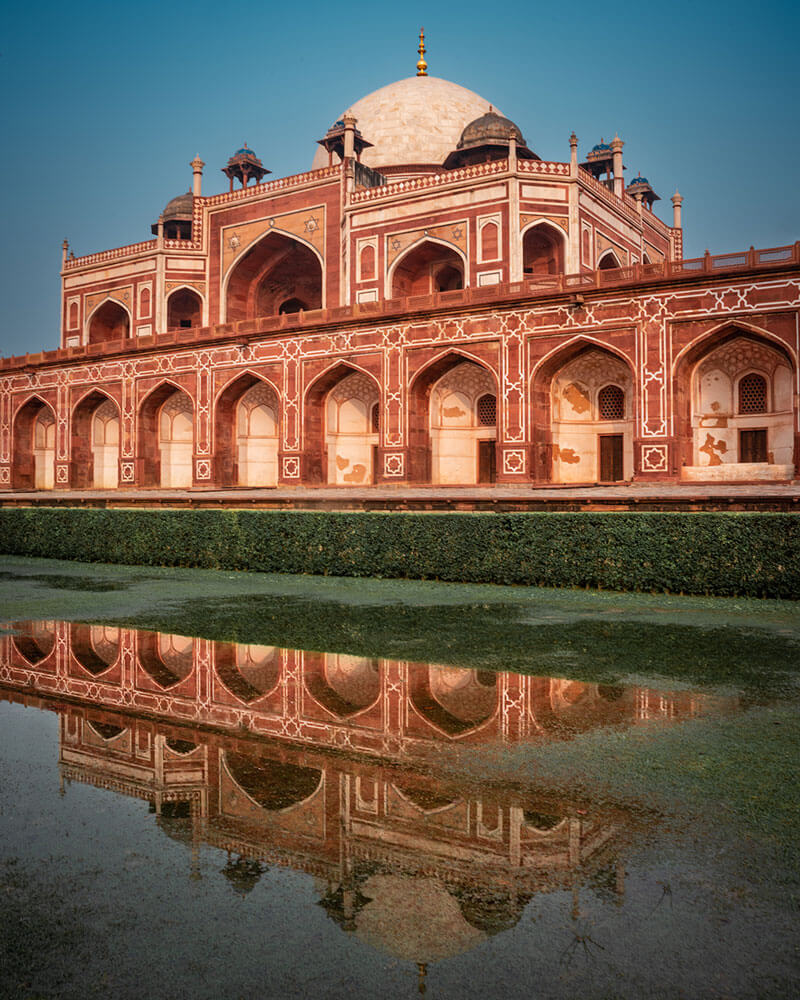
{"type": "Point", "coordinates": [422, 66]}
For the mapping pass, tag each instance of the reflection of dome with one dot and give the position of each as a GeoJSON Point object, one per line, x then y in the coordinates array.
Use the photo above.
{"type": "Point", "coordinates": [413, 121]}
{"type": "Point", "coordinates": [415, 919]}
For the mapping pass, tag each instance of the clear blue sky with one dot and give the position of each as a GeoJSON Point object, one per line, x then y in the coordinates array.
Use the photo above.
{"type": "Point", "coordinates": [105, 104]}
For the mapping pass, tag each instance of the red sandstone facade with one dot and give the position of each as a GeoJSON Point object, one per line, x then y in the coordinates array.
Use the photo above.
{"type": "Point", "coordinates": [390, 319]}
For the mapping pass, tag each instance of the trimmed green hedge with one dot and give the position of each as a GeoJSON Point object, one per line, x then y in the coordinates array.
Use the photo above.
{"type": "Point", "coordinates": [754, 554]}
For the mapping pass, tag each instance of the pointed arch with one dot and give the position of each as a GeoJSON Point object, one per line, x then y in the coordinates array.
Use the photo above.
{"type": "Point", "coordinates": [608, 260]}
{"type": "Point", "coordinates": [95, 429]}
{"type": "Point", "coordinates": [158, 465]}
{"type": "Point", "coordinates": [245, 454]}
{"type": "Point", "coordinates": [424, 465]}
{"type": "Point", "coordinates": [455, 702]}
{"type": "Point", "coordinates": [276, 268]}
{"type": "Point", "coordinates": [272, 785]}
{"type": "Point", "coordinates": [33, 436]}
{"type": "Point", "coordinates": [714, 438]}
{"type": "Point", "coordinates": [319, 455]}
{"type": "Point", "coordinates": [421, 269]}
{"type": "Point", "coordinates": [544, 248]}
{"type": "Point", "coordinates": [345, 686]}
{"type": "Point", "coordinates": [185, 308]}
{"type": "Point", "coordinates": [110, 320]}
{"type": "Point", "coordinates": [572, 441]}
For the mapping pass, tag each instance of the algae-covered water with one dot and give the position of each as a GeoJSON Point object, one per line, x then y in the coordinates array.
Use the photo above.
{"type": "Point", "coordinates": [238, 785]}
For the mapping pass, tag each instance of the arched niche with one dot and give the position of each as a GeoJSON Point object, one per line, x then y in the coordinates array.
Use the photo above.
{"type": "Point", "coordinates": [184, 309]}
{"type": "Point", "coordinates": [740, 399]}
{"type": "Point", "coordinates": [453, 422]}
{"type": "Point", "coordinates": [350, 440]}
{"type": "Point", "coordinates": [542, 250]}
{"type": "Point", "coordinates": [344, 685]}
{"type": "Point", "coordinates": [427, 268]}
{"type": "Point", "coordinates": [34, 437]}
{"type": "Point", "coordinates": [165, 440]}
{"type": "Point", "coordinates": [247, 670]}
{"type": "Point", "coordinates": [111, 321]}
{"type": "Point", "coordinates": [95, 443]}
{"type": "Point", "coordinates": [246, 433]}
{"type": "Point", "coordinates": [277, 274]}
{"type": "Point", "coordinates": [168, 659]}
{"type": "Point", "coordinates": [592, 419]}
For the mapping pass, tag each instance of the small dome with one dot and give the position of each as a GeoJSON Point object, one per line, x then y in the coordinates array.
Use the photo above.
{"type": "Point", "coordinates": [244, 151]}
{"type": "Point", "coordinates": [601, 147]}
{"type": "Point", "coordinates": [488, 130]}
{"type": "Point", "coordinates": [181, 207]}
{"type": "Point", "coordinates": [639, 180]}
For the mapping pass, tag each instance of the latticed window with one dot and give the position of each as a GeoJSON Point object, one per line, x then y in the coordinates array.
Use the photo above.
{"type": "Point", "coordinates": [611, 403]}
{"type": "Point", "coordinates": [487, 410]}
{"type": "Point", "coordinates": [753, 394]}
{"type": "Point", "coordinates": [375, 417]}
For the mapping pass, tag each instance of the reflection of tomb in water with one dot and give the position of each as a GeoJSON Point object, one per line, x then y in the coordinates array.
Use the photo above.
{"type": "Point", "coordinates": [105, 730]}
{"type": "Point", "coordinates": [95, 647]}
{"type": "Point", "coordinates": [344, 685]}
{"type": "Point", "coordinates": [36, 641]}
{"type": "Point", "coordinates": [454, 701]}
{"type": "Point", "coordinates": [167, 658]}
{"type": "Point", "coordinates": [248, 671]}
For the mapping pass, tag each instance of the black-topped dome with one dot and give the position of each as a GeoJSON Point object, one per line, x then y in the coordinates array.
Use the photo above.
{"type": "Point", "coordinates": [178, 213]}
{"type": "Point", "coordinates": [488, 138]}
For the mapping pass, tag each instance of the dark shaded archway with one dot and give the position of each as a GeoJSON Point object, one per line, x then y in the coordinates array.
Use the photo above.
{"type": "Point", "coordinates": [278, 274]}
{"type": "Point", "coordinates": [184, 309]}
{"type": "Point", "coordinates": [148, 437]}
{"type": "Point", "coordinates": [109, 322]}
{"type": "Point", "coordinates": [430, 267]}
{"type": "Point", "coordinates": [542, 251]}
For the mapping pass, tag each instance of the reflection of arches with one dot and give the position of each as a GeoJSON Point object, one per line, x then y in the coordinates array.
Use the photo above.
{"type": "Point", "coordinates": [247, 433]}
{"type": "Point", "coordinates": [427, 267]}
{"type": "Point", "coordinates": [34, 437]}
{"type": "Point", "coordinates": [37, 643]}
{"type": "Point", "coordinates": [574, 440]}
{"type": "Point", "coordinates": [736, 411]}
{"type": "Point", "coordinates": [543, 250]}
{"type": "Point", "coordinates": [248, 671]}
{"type": "Point", "coordinates": [457, 448]}
{"type": "Point", "coordinates": [105, 730]}
{"type": "Point", "coordinates": [427, 799]}
{"type": "Point", "coordinates": [95, 647]}
{"type": "Point", "coordinates": [167, 658]}
{"type": "Point", "coordinates": [275, 271]}
{"type": "Point", "coordinates": [344, 685]}
{"type": "Point", "coordinates": [95, 443]}
{"type": "Point", "coordinates": [453, 700]}
{"type": "Point", "coordinates": [109, 321]}
{"type": "Point", "coordinates": [463, 433]}
{"type": "Point", "coordinates": [272, 785]}
{"type": "Point", "coordinates": [184, 309]}
{"type": "Point", "coordinates": [320, 456]}
{"type": "Point", "coordinates": [165, 438]}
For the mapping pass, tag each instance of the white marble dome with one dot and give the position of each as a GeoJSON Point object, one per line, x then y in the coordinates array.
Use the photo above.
{"type": "Point", "coordinates": [417, 120]}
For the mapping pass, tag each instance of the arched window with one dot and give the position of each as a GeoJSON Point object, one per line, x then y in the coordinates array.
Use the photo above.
{"type": "Point", "coordinates": [608, 261]}
{"type": "Point", "coordinates": [489, 241]}
{"type": "Point", "coordinates": [73, 316]}
{"type": "Point", "coordinates": [753, 394]}
{"type": "Point", "coordinates": [586, 238]}
{"type": "Point", "coordinates": [487, 410]}
{"type": "Point", "coordinates": [367, 262]}
{"type": "Point", "coordinates": [611, 403]}
{"type": "Point", "coordinates": [144, 303]}
{"type": "Point", "coordinates": [292, 306]}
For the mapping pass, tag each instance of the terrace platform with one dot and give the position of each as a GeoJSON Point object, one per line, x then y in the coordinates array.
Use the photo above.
{"type": "Point", "coordinates": [642, 497]}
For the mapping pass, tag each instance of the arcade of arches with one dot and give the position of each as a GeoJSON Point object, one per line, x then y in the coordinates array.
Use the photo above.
{"type": "Point", "coordinates": [735, 414]}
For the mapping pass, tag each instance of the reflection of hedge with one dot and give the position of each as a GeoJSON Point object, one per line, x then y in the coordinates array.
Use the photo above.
{"type": "Point", "coordinates": [747, 553]}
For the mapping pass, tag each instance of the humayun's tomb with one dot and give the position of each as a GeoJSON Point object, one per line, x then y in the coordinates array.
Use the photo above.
{"type": "Point", "coordinates": [431, 303]}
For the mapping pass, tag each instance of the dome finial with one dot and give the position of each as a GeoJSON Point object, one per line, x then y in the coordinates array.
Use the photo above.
{"type": "Point", "coordinates": [422, 66]}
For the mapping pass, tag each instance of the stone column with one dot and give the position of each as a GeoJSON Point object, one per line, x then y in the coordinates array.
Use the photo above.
{"type": "Point", "coordinates": [619, 180]}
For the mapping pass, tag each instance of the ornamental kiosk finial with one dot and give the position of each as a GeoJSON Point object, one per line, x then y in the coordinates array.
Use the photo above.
{"type": "Point", "coordinates": [422, 66]}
